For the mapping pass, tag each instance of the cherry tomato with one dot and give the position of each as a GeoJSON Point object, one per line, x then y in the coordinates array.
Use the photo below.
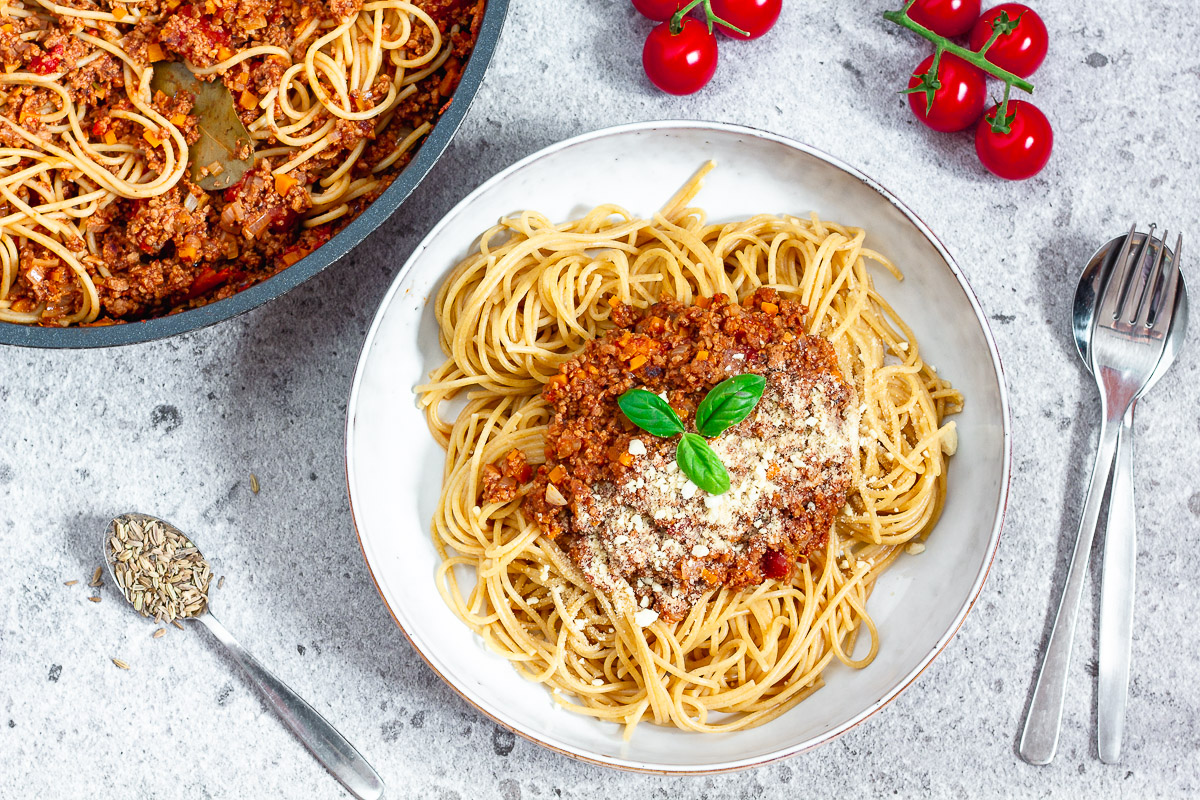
{"type": "Point", "coordinates": [945, 17]}
{"type": "Point", "coordinates": [959, 98]}
{"type": "Point", "coordinates": [1023, 150]}
{"type": "Point", "coordinates": [658, 10]}
{"type": "Point", "coordinates": [1020, 51]}
{"type": "Point", "coordinates": [680, 63]}
{"type": "Point", "coordinates": [755, 17]}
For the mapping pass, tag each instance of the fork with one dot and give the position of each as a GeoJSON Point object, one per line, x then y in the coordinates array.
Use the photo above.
{"type": "Point", "coordinates": [1130, 326]}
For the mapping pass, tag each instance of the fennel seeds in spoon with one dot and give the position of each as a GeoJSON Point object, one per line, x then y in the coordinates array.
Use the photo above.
{"type": "Point", "coordinates": [158, 569]}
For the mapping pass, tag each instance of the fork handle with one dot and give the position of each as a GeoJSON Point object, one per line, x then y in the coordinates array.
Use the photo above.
{"type": "Point", "coordinates": [1116, 601]}
{"type": "Point", "coordinates": [1039, 739]}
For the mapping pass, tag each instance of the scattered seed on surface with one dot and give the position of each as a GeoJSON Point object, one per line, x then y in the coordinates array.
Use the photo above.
{"type": "Point", "coordinates": [221, 582]}
{"type": "Point", "coordinates": [70, 583]}
{"type": "Point", "coordinates": [177, 624]}
{"type": "Point", "coordinates": [120, 663]}
{"type": "Point", "coordinates": [94, 599]}
{"type": "Point", "coordinates": [253, 483]}
{"type": "Point", "coordinates": [158, 634]}
{"type": "Point", "coordinates": [96, 577]}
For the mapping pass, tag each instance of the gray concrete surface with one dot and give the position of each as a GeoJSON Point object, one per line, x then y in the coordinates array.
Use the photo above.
{"type": "Point", "coordinates": [177, 427]}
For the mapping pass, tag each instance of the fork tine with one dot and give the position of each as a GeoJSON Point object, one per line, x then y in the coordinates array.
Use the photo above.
{"type": "Point", "coordinates": [1152, 286]}
{"type": "Point", "coordinates": [1164, 309]}
{"type": "Point", "coordinates": [1133, 278]}
{"type": "Point", "coordinates": [1110, 264]}
{"type": "Point", "coordinates": [1115, 276]}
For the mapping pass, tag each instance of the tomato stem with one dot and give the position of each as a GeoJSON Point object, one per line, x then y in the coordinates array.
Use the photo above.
{"type": "Point", "coordinates": [929, 83]}
{"type": "Point", "coordinates": [710, 18]}
{"type": "Point", "coordinates": [942, 44]}
{"type": "Point", "coordinates": [1001, 121]}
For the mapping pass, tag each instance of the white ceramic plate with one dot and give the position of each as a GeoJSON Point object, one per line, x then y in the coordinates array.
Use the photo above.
{"type": "Point", "coordinates": [394, 467]}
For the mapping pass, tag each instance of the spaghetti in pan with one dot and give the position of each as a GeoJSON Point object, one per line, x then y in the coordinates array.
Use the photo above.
{"type": "Point", "coordinates": [648, 552]}
{"type": "Point", "coordinates": [157, 155]}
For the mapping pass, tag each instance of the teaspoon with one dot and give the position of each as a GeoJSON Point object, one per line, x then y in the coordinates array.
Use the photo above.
{"type": "Point", "coordinates": [161, 571]}
{"type": "Point", "coordinates": [1120, 548]}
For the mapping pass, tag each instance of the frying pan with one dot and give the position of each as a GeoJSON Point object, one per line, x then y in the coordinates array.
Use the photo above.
{"type": "Point", "coordinates": [431, 150]}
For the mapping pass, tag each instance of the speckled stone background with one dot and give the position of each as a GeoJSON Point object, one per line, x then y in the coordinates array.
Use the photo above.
{"type": "Point", "coordinates": [177, 427]}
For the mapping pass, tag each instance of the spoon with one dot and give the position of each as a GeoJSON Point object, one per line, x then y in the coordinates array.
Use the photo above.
{"type": "Point", "coordinates": [167, 551]}
{"type": "Point", "coordinates": [1120, 550]}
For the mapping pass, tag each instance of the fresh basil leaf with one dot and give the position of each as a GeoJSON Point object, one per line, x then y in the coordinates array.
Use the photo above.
{"type": "Point", "coordinates": [650, 412]}
{"type": "Point", "coordinates": [729, 402]}
{"type": "Point", "coordinates": [701, 464]}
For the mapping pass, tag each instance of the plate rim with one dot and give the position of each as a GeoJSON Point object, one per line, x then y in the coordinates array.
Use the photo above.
{"type": "Point", "coordinates": [482, 705]}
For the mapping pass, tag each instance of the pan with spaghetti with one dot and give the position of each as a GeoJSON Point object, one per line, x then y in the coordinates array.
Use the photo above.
{"type": "Point", "coordinates": [159, 157]}
{"type": "Point", "coordinates": [688, 624]}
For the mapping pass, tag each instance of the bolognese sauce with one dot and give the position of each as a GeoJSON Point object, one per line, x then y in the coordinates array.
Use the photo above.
{"type": "Point", "coordinates": [614, 496]}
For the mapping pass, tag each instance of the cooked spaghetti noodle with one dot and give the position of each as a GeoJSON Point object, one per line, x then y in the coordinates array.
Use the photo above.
{"type": "Point", "coordinates": [102, 217]}
{"type": "Point", "coordinates": [528, 300]}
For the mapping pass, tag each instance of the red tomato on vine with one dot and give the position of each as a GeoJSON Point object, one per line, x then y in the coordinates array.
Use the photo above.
{"type": "Point", "coordinates": [1021, 47]}
{"type": "Point", "coordinates": [680, 62]}
{"type": "Point", "coordinates": [950, 101]}
{"type": "Point", "coordinates": [658, 10]}
{"type": "Point", "coordinates": [755, 17]}
{"type": "Point", "coordinates": [945, 17]}
{"type": "Point", "coordinates": [1018, 147]}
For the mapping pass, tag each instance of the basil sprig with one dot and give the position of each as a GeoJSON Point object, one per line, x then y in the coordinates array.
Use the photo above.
{"type": "Point", "coordinates": [727, 404]}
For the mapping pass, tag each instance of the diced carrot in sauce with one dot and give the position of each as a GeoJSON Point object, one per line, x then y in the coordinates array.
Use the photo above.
{"type": "Point", "coordinates": [770, 308]}
{"type": "Point", "coordinates": [155, 53]}
{"type": "Point", "coordinates": [284, 183]}
{"type": "Point", "coordinates": [558, 474]}
{"type": "Point", "coordinates": [247, 100]}
{"type": "Point", "coordinates": [293, 256]}
{"type": "Point", "coordinates": [637, 362]}
{"type": "Point", "coordinates": [110, 138]}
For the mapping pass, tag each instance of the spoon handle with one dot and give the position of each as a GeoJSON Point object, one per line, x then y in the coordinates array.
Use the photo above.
{"type": "Point", "coordinates": [322, 740]}
{"type": "Point", "coordinates": [1116, 601]}
{"type": "Point", "coordinates": [1039, 739]}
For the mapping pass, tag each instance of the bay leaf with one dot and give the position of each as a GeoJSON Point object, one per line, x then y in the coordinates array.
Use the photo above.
{"type": "Point", "coordinates": [222, 134]}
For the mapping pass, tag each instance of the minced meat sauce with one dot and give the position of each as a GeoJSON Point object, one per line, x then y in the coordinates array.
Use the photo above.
{"type": "Point", "coordinates": [166, 254]}
{"type": "Point", "coordinates": [613, 494]}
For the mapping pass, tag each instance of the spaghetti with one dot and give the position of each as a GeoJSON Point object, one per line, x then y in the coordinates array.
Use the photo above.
{"type": "Point", "coordinates": [530, 299]}
{"type": "Point", "coordinates": [102, 214]}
